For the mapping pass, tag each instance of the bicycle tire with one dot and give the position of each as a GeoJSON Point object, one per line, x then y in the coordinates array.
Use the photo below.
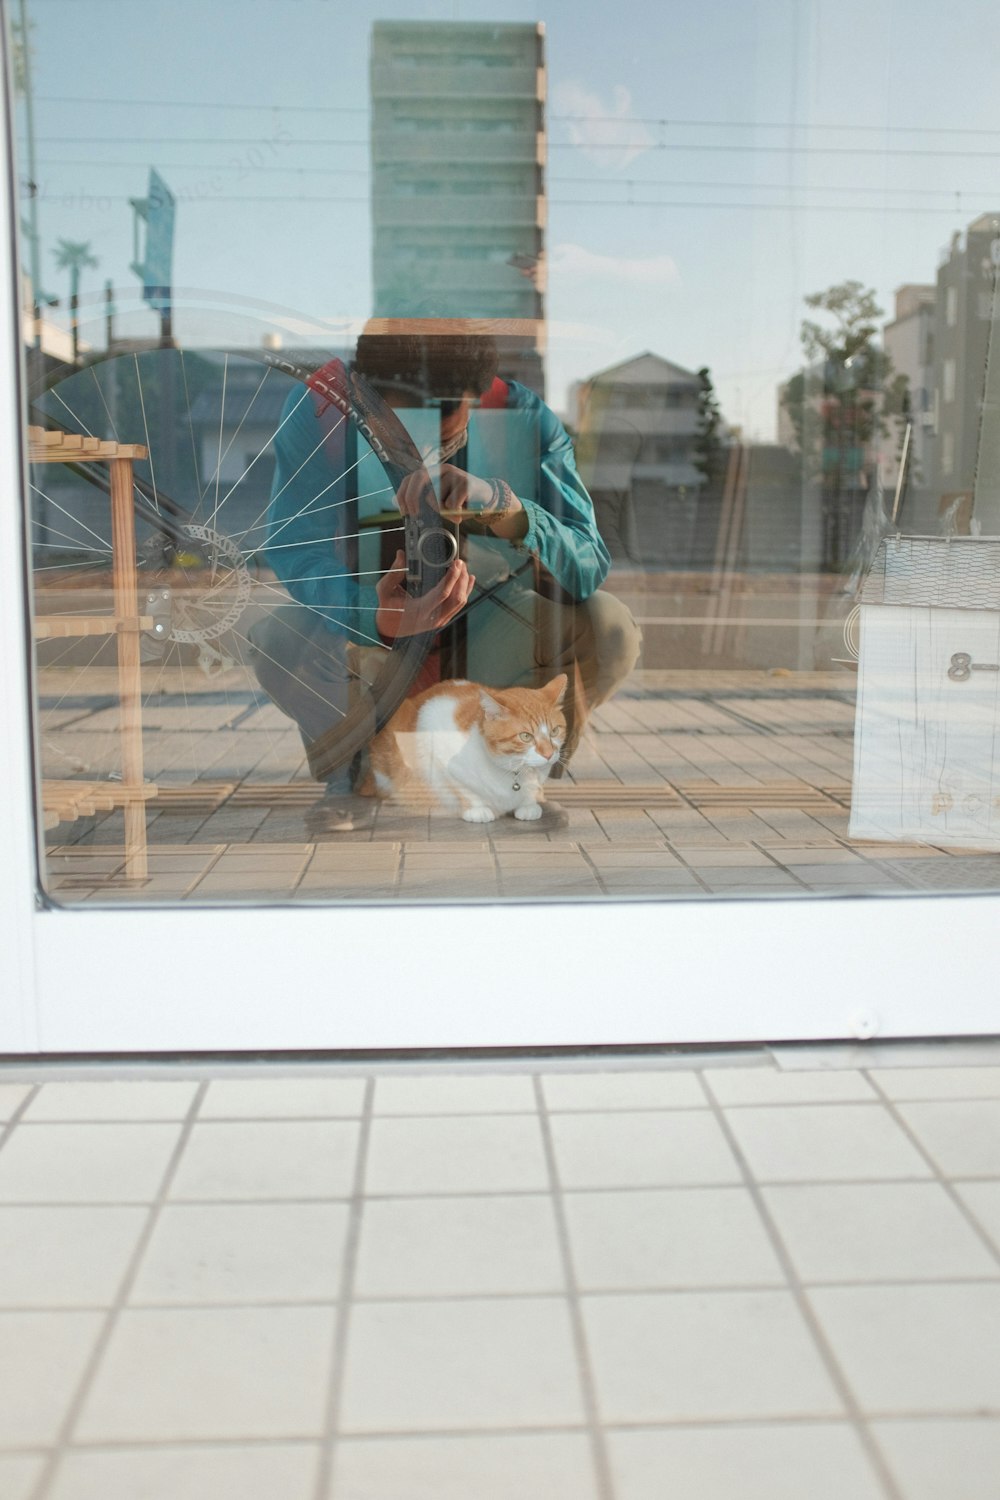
{"type": "Point", "coordinates": [427, 544]}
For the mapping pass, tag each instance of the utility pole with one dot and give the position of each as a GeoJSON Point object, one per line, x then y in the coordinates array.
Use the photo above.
{"type": "Point", "coordinates": [156, 211]}
{"type": "Point", "coordinates": [111, 393]}
{"type": "Point", "coordinates": [34, 356]}
{"type": "Point", "coordinates": [29, 120]}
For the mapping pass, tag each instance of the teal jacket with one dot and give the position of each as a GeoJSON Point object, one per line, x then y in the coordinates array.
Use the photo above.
{"type": "Point", "coordinates": [311, 523]}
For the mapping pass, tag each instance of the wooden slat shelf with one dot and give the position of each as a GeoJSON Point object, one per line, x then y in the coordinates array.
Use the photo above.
{"type": "Point", "coordinates": [45, 447]}
{"type": "Point", "coordinates": [54, 627]}
{"type": "Point", "coordinates": [208, 795]}
{"type": "Point", "coordinates": [69, 800]}
{"type": "Point", "coordinates": [63, 801]}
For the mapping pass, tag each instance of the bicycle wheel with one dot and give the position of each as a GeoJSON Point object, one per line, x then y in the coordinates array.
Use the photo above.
{"type": "Point", "coordinates": [211, 419]}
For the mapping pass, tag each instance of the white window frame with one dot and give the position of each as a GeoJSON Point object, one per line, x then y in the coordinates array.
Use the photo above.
{"type": "Point", "coordinates": [948, 381]}
{"type": "Point", "coordinates": [397, 977]}
{"type": "Point", "coordinates": [947, 452]}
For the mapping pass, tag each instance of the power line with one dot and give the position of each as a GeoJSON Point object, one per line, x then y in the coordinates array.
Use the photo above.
{"type": "Point", "coordinates": [663, 121]}
{"type": "Point", "coordinates": [203, 166]}
{"type": "Point", "coordinates": [630, 183]}
{"type": "Point", "coordinates": [803, 208]}
{"type": "Point", "coordinates": [619, 146]}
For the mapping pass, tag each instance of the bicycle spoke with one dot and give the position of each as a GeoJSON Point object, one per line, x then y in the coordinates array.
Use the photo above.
{"type": "Point", "coordinates": [334, 608]}
{"type": "Point", "coordinates": [218, 467]}
{"type": "Point", "coordinates": [70, 517]}
{"type": "Point", "coordinates": [194, 446]}
{"type": "Point", "coordinates": [145, 426]}
{"type": "Point", "coordinates": [76, 420]}
{"type": "Point", "coordinates": [361, 573]}
{"type": "Point", "coordinates": [111, 420]}
{"type": "Point", "coordinates": [307, 508]}
{"type": "Point", "coordinates": [81, 425]}
{"type": "Point", "coordinates": [84, 668]}
{"type": "Point", "coordinates": [75, 544]}
{"type": "Point", "coordinates": [337, 536]}
{"type": "Point", "coordinates": [222, 418]}
{"type": "Point", "coordinates": [274, 660]}
{"type": "Point", "coordinates": [67, 650]}
{"type": "Point", "coordinates": [312, 509]}
{"type": "Point", "coordinates": [260, 453]}
{"type": "Point", "coordinates": [258, 703]}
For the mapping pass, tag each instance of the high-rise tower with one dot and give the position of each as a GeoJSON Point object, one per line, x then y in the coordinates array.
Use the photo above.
{"type": "Point", "coordinates": [458, 177]}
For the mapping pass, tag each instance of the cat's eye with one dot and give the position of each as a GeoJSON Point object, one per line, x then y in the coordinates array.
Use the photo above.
{"type": "Point", "coordinates": [526, 734]}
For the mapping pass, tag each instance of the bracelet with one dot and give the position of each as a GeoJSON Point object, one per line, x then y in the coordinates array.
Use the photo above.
{"type": "Point", "coordinates": [503, 499]}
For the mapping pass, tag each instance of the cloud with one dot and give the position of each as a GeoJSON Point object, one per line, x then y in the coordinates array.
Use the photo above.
{"type": "Point", "coordinates": [607, 134]}
{"type": "Point", "coordinates": [568, 260]}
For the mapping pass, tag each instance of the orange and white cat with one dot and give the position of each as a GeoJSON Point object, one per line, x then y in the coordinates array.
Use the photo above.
{"type": "Point", "coordinates": [481, 752]}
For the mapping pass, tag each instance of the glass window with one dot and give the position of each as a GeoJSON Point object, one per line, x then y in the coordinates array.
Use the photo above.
{"type": "Point", "coordinates": [947, 452]}
{"type": "Point", "coordinates": [455, 475]}
{"type": "Point", "coordinates": [948, 380]}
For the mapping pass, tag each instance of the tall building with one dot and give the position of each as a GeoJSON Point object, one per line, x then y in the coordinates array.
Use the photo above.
{"type": "Point", "coordinates": [965, 347]}
{"type": "Point", "coordinates": [458, 177]}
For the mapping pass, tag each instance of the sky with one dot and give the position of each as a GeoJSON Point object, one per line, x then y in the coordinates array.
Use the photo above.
{"type": "Point", "coordinates": [711, 162]}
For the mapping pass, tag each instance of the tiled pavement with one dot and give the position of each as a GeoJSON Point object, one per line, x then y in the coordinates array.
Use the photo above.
{"type": "Point", "coordinates": [688, 784]}
{"type": "Point", "coordinates": [748, 1275]}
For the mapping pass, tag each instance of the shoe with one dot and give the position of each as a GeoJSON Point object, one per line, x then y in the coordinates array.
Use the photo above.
{"type": "Point", "coordinates": [340, 812]}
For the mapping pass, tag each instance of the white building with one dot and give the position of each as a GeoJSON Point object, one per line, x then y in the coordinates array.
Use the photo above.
{"type": "Point", "coordinates": [637, 446]}
{"type": "Point", "coordinates": [964, 367]}
{"type": "Point", "coordinates": [909, 343]}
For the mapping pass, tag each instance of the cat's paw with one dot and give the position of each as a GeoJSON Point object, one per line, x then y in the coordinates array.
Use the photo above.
{"type": "Point", "coordinates": [479, 815]}
{"type": "Point", "coordinates": [529, 812]}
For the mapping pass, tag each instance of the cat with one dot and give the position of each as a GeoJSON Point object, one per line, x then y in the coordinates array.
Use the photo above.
{"type": "Point", "coordinates": [462, 748]}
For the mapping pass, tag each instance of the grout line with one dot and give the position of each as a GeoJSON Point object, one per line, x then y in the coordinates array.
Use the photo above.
{"type": "Point", "coordinates": [699, 1105]}
{"type": "Point", "coordinates": [806, 1311]}
{"type": "Point", "coordinates": [205, 1120]}
{"type": "Point", "coordinates": [393, 1299]}
{"type": "Point", "coordinates": [497, 870]}
{"type": "Point", "coordinates": [729, 1185]}
{"type": "Point", "coordinates": [345, 1294]}
{"type": "Point", "coordinates": [598, 1445]}
{"type": "Point", "coordinates": [940, 1176]}
{"type": "Point", "coordinates": [17, 1115]}
{"type": "Point", "coordinates": [65, 1434]}
{"type": "Point", "coordinates": [460, 1434]}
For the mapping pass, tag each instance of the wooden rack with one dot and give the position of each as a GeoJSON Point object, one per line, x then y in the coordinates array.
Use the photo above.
{"type": "Point", "coordinates": [67, 800]}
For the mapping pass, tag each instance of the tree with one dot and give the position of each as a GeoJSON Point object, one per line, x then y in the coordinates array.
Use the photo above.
{"type": "Point", "coordinates": [21, 52]}
{"type": "Point", "coordinates": [74, 256]}
{"type": "Point", "coordinates": [708, 458]}
{"type": "Point", "coordinates": [840, 404]}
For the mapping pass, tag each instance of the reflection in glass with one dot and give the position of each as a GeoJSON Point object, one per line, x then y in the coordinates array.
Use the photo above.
{"type": "Point", "coordinates": [456, 358]}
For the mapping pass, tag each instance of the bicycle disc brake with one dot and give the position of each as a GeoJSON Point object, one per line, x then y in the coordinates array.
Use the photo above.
{"type": "Point", "coordinates": [219, 590]}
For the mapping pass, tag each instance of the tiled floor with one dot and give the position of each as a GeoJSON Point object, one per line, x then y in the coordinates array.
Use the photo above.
{"type": "Point", "coordinates": [688, 784]}
{"type": "Point", "coordinates": [765, 1274]}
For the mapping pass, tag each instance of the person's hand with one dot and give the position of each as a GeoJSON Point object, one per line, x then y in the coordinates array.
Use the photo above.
{"type": "Point", "coordinates": [400, 615]}
{"type": "Point", "coordinates": [456, 491]}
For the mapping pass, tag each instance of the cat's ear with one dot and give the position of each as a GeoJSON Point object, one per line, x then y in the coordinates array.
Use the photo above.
{"type": "Point", "coordinates": [491, 708]}
{"type": "Point", "coordinates": [556, 689]}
